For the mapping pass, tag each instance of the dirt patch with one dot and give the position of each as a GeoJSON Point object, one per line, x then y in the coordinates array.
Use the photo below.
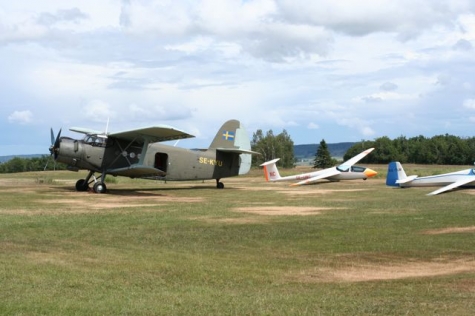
{"type": "Point", "coordinates": [283, 210]}
{"type": "Point", "coordinates": [15, 212]}
{"type": "Point", "coordinates": [83, 203]}
{"type": "Point", "coordinates": [363, 272]}
{"type": "Point", "coordinates": [259, 188]}
{"type": "Point", "coordinates": [236, 221]}
{"type": "Point", "coordinates": [318, 191]}
{"type": "Point", "coordinates": [450, 230]}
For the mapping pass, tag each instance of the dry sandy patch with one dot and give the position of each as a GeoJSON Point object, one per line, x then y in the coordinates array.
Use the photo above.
{"type": "Point", "coordinates": [284, 210]}
{"type": "Point", "coordinates": [362, 272]}
{"type": "Point", "coordinates": [450, 230]}
{"type": "Point", "coordinates": [237, 221]}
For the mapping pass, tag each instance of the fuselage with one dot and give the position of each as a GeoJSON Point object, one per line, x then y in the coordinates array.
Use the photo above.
{"type": "Point", "coordinates": [441, 179]}
{"type": "Point", "coordinates": [352, 173]}
{"type": "Point", "coordinates": [110, 156]}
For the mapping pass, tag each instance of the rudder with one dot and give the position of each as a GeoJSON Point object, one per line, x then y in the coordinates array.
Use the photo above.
{"type": "Point", "coordinates": [271, 172]}
{"type": "Point", "coordinates": [232, 136]}
{"type": "Point", "coordinates": [395, 172]}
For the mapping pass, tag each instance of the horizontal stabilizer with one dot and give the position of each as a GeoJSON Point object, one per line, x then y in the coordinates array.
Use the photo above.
{"type": "Point", "coordinates": [454, 185]}
{"type": "Point", "coordinates": [406, 180]}
{"type": "Point", "coordinates": [238, 151]}
{"type": "Point", "coordinates": [137, 171]}
{"type": "Point", "coordinates": [270, 162]}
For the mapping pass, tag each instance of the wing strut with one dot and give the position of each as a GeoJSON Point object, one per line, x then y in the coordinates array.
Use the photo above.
{"type": "Point", "coordinates": [144, 150]}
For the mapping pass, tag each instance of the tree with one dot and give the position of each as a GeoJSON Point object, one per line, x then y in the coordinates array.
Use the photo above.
{"type": "Point", "coordinates": [18, 164]}
{"type": "Point", "coordinates": [272, 147]}
{"type": "Point", "coordinates": [323, 159]}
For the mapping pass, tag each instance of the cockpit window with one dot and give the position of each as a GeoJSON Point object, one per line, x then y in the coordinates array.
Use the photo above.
{"type": "Point", "coordinates": [95, 141]}
{"type": "Point", "coordinates": [357, 169]}
{"type": "Point", "coordinates": [343, 168]}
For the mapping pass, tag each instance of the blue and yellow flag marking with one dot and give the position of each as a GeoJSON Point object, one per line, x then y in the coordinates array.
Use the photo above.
{"type": "Point", "coordinates": [227, 135]}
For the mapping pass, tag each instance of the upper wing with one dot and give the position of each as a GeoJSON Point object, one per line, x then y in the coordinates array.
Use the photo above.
{"type": "Point", "coordinates": [85, 131]}
{"type": "Point", "coordinates": [153, 134]}
{"type": "Point", "coordinates": [350, 162]}
{"type": "Point", "coordinates": [329, 173]}
{"type": "Point", "coordinates": [454, 185]}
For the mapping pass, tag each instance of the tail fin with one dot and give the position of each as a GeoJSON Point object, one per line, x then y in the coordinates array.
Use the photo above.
{"type": "Point", "coordinates": [270, 170]}
{"type": "Point", "coordinates": [233, 137]}
{"type": "Point", "coordinates": [396, 173]}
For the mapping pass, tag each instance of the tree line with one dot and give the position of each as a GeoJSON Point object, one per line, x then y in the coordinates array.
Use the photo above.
{"type": "Point", "coordinates": [19, 164]}
{"type": "Point", "coordinates": [441, 149]}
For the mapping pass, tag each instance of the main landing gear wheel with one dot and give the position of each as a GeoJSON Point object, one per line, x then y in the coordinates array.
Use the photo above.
{"type": "Point", "coordinates": [219, 185]}
{"type": "Point", "coordinates": [99, 187]}
{"type": "Point", "coordinates": [82, 185]}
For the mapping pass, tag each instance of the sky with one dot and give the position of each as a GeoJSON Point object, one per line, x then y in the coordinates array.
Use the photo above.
{"type": "Point", "coordinates": [342, 71]}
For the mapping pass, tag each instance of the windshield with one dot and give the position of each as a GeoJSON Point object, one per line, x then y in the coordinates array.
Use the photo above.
{"type": "Point", "coordinates": [95, 141]}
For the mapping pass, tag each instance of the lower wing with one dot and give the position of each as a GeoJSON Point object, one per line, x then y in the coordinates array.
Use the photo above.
{"type": "Point", "coordinates": [137, 171]}
{"type": "Point", "coordinates": [454, 185]}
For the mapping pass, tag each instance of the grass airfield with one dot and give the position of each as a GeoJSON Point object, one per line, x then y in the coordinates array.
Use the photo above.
{"type": "Point", "coordinates": [255, 248]}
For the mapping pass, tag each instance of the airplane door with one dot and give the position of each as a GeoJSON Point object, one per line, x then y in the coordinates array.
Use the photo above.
{"type": "Point", "coordinates": [161, 161]}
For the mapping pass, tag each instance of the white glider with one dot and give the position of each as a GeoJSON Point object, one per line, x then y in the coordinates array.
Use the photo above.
{"type": "Point", "coordinates": [448, 181]}
{"type": "Point", "coordinates": [345, 171]}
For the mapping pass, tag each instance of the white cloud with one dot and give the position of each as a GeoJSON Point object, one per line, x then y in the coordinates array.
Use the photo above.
{"type": "Point", "coordinates": [353, 70]}
{"type": "Point", "coordinates": [469, 104]}
{"type": "Point", "coordinates": [98, 111]}
{"type": "Point", "coordinates": [312, 125]}
{"type": "Point", "coordinates": [21, 117]}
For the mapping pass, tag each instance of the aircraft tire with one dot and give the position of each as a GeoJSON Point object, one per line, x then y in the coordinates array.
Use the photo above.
{"type": "Point", "coordinates": [220, 185]}
{"type": "Point", "coordinates": [99, 187]}
{"type": "Point", "coordinates": [81, 185]}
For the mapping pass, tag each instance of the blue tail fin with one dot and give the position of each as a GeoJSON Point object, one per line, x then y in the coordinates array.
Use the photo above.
{"type": "Point", "coordinates": [395, 172]}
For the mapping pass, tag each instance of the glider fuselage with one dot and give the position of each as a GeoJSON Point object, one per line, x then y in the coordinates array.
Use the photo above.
{"type": "Point", "coordinates": [441, 179]}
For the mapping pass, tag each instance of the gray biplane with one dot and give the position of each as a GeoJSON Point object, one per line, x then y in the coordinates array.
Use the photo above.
{"type": "Point", "coordinates": [138, 154]}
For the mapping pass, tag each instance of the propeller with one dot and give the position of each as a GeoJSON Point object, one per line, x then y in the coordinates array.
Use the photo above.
{"type": "Point", "coordinates": [55, 144]}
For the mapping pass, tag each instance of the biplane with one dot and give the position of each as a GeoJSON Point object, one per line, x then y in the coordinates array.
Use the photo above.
{"type": "Point", "coordinates": [139, 153]}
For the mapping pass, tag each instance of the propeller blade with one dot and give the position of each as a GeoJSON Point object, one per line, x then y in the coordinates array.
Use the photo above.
{"type": "Point", "coordinates": [52, 137]}
{"type": "Point", "coordinates": [56, 143]}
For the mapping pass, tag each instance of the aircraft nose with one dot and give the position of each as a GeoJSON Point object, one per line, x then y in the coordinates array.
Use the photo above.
{"type": "Point", "coordinates": [370, 172]}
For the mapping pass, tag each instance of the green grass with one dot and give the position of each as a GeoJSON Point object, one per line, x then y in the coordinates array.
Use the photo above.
{"type": "Point", "coordinates": [182, 248]}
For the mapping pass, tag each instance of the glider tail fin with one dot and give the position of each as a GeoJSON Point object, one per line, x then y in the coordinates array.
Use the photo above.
{"type": "Point", "coordinates": [270, 170]}
{"type": "Point", "coordinates": [395, 172]}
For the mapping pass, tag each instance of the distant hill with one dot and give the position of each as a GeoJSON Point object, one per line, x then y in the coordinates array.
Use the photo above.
{"type": "Point", "coordinates": [308, 151]}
